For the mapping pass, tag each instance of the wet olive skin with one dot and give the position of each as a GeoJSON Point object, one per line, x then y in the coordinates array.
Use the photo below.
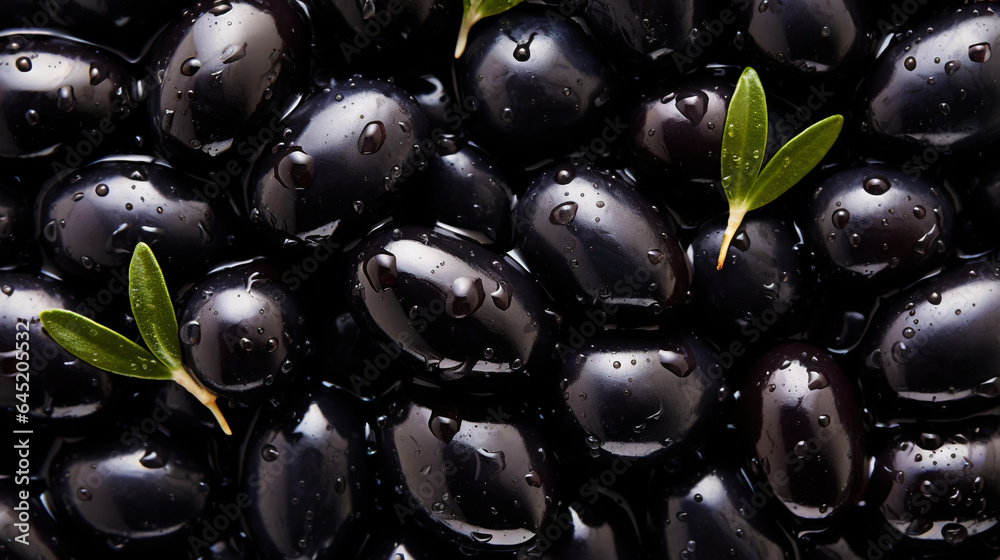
{"type": "Point", "coordinates": [340, 163]}
{"type": "Point", "coordinates": [536, 94]}
{"type": "Point", "coordinates": [594, 240]}
{"type": "Point", "coordinates": [641, 395]}
{"type": "Point", "coordinates": [936, 485]}
{"type": "Point", "coordinates": [56, 94]}
{"type": "Point", "coordinates": [46, 539]}
{"type": "Point", "coordinates": [859, 231]}
{"type": "Point", "coordinates": [455, 462]}
{"type": "Point", "coordinates": [802, 419]}
{"type": "Point", "coordinates": [470, 191]}
{"type": "Point", "coordinates": [135, 489]}
{"type": "Point", "coordinates": [62, 390]}
{"type": "Point", "coordinates": [599, 529]}
{"type": "Point", "coordinates": [646, 35]}
{"type": "Point", "coordinates": [454, 311]}
{"type": "Point", "coordinates": [808, 40]}
{"type": "Point", "coordinates": [91, 237]}
{"type": "Point", "coordinates": [309, 489]}
{"type": "Point", "coordinates": [946, 102]}
{"type": "Point", "coordinates": [221, 70]}
{"type": "Point", "coordinates": [703, 512]}
{"type": "Point", "coordinates": [242, 331]}
{"type": "Point", "coordinates": [932, 350]}
{"type": "Point", "coordinates": [766, 283]}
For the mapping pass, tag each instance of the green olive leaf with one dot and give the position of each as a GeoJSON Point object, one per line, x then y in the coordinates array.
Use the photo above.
{"type": "Point", "coordinates": [794, 161]}
{"type": "Point", "coordinates": [475, 10]}
{"type": "Point", "coordinates": [152, 308]}
{"type": "Point", "coordinates": [743, 144]}
{"type": "Point", "coordinates": [744, 138]}
{"type": "Point", "coordinates": [100, 346]}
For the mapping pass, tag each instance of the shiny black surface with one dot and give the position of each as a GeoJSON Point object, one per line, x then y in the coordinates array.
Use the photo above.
{"type": "Point", "coordinates": [766, 284]}
{"type": "Point", "coordinates": [45, 539]}
{"type": "Point", "coordinates": [475, 475]}
{"type": "Point", "coordinates": [807, 38]}
{"type": "Point", "coordinates": [937, 485]}
{"type": "Point", "coordinates": [933, 348]}
{"type": "Point", "coordinates": [242, 331]}
{"type": "Point", "coordinates": [62, 389]}
{"type": "Point", "coordinates": [599, 529]}
{"type": "Point", "coordinates": [454, 311]}
{"type": "Point", "coordinates": [130, 491]}
{"type": "Point", "coordinates": [935, 88]}
{"type": "Point", "coordinates": [223, 71]}
{"type": "Point", "coordinates": [656, 35]}
{"type": "Point", "coordinates": [90, 222]}
{"type": "Point", "coordinates": [711, 515]}
{"type": "Point", "coordinates": [880, 224]}
{"type": "Point", "coordinates": [16, 224]}
{"type": "Point", "coordinates": [61, 100]}
{"type": "Point", "coordinates": [594, 241]}
{"type": "Point", "coordinates": [343, 156]}
{"type": "Point", "coordinates": [802, 418]}
{"type": "Point", "coordinates": [539, 84]}
{"type": "Point", "coordinates": [470, 191]}
{"type": "Point", "coordinates": [641, 395]}
{"type": "Point", "coordinates": [305, 475]}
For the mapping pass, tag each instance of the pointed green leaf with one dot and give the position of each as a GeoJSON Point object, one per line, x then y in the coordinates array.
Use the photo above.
{"type": "Point", "coordinates": [152, 308]}
{"type": "Point", "coordinates": [794, 160]}
{"type": "Point", "coordinates": [100, 346]}
{"type": "Point", "coordinates": [745, 137]}
{"type": "Point", "coordinates": [475, 10]}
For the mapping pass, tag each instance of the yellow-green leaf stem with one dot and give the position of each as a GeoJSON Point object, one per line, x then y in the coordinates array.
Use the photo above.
{"type": "Point", "coordinates": [475, 10]}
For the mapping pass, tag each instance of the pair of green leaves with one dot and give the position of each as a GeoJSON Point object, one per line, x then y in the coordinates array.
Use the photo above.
{"type": "Point", "coordinates": [154, 314]}
{"type": "Point", "coordinates": [475, 10]}
{"type": "Point", "coordinates": [744, 141]}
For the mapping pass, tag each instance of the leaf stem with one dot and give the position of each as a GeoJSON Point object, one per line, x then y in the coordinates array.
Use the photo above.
{"type": "Point", "coordinates": [735, 219]}
{"type": "Point", "coordinates": [204, 396]}
{"type": "Point", "coordinates": [468, 20]}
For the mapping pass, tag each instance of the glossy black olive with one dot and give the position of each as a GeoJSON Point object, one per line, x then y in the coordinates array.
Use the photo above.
{"type": "Point", "coordinates": [242, 331]}
{"type": "Point", "coordinates": [597, 530]}
{"type": "Point", "coordinates": [26, 530]}
{"type": "Point", "coordinates": [469, 191]}
{"type": "Point", "coordinates": [62, 389]}
{"type": "Point", "coordinates": [594, 241]}
{"type": "Point", "coordinates": [452, 309]}
{"type": "Point", "coordinates": [90, 223]}
{"type": "Point", "coordinates": [305, 478]}
{"type": "Point", "coordinates": [624, 404]}
{"type": "Point", "coordinates": [538, 82]}
{"type": "Point", "coordinates": [933, 350]}
{"type": "Point", "coordinates": [133, 490]}
{"type": "Point", "coordinates": [62, 101]}
{"type": "Point", "coordinates": [932, 92]}
{"type": "Point", "coordinates": [342, 158]}
{"type": "Point", "coordinates": [476, 475]}
{"type": "Point", "coordinates": [766, 283]}
{"type": "Point", "coordinates": [659, 36]}
{"type": "Point", "coordinates": [811, 39]}
{"type": "Point", "coordinates": [938, 485]}
{"type": "Point", "coordinates": [222, 69]}
{"type": "Point", "coordinates": [714, 514]}
{"type": "Point", "coordinates": [802, 418]}
{"type": "Point", "coordinates": [878, 223]}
